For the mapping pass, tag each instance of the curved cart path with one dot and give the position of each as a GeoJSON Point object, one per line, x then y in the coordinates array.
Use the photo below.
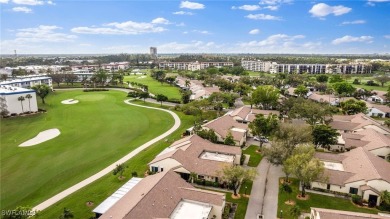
{"type": "Point", "coordinates": [109, 169]}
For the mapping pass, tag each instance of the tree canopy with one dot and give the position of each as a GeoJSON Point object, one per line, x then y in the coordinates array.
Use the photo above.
{"type": "Point", "coordinates": [42, 90]}
{"type": "Point", "coordinates": [353, 106]}
{"type": "Point", "coordinates": [236, 175]}
{"type": "Point", "coordinates": [266, 95]}
{"type": "Point", "coordinates": [324, 135]}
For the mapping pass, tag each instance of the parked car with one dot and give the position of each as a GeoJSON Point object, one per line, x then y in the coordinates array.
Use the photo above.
{"type": "Point", "coordinates": [261, 138]}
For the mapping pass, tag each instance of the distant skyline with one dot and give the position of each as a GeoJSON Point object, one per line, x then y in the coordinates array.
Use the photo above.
{"type": "Point", "coordinates": [264, 26]}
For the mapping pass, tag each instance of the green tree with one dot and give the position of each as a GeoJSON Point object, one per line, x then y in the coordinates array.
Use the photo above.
{"type": "Point", "coordinates": [310, 111]}
{"type": "Point", "coordinates": [336, 78]}
{"type": "Point", "coordinates": [229, 140]}
{"type": "Point", "coordinates": [185, 96]}
{"type": "Point", "coordinates": [161, 98]}
{"type": "Point", "coordinates": [119, 169]}
{"type": "Point", "coordinates": [382, 79]}
{"type": "Point", "coordinates": [324, 135]}
{"type": "Point", "coordinates": [353, 106]}
{"type": "Point", "coordinates": [242, 89]}
{"type": "Point", "coordinates": [57, 78]}
{"type": "Point", "coordinates": [160, 76]}
{"type": "Point", "coordinates": [322, 78]}
{"type": "Point", "coordinates": [42, 91]}
{"type": "Point", "coordinates": [344, 88]}
{"type": "Point", "coordinates": [304, 166]}
{"type": "Point", "coordinates": [21, 99]}
{"type": "Point", "coordinates": [66, 214]}
{"type": "Point", "coordinates": [3, 107]}
{"type": "Point", "coordinates": [264, 126]}
{"type": "Point", "coordinates": [101, 76]}
{"type": "Point", "coordinates": [143, 95]}
{"type": "Point", "coordinates": [387, 122]}
{"type": "Point", "coordinates": [301, 91]}
{"type": "Point", "coordinates": [187, 83]}
{"type": "Point", "coordinates": [28, 96]}
{"type": "Point", "coordinates": [266, 95]}
{"type": "Point", "coordinates": [236, 175]}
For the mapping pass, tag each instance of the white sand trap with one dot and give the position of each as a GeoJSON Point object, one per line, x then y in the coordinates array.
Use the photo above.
{"type": "Point", "coordinates": [141, 77]}
{"type": "Point", "coordinates": [69, 101]}
{"type": "Point", "coordinates": [41, 137]}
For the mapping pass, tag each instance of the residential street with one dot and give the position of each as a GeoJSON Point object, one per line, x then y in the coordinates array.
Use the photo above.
{"type": "Point", "coordinates": [264, 195]}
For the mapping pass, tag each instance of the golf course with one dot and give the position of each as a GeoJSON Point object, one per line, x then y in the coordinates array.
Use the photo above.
{"type": "Point", "coordinates": [93, 133]}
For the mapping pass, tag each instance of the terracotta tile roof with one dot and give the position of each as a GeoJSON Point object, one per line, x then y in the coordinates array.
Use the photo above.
{"type": "Point", "coordinates": [265, 112]}
{"type": "Point", "coordinates": [353, 122]}
{"type": "Point", "coordinates": [337, 214]}
{"type": "Point", "coordinates": [156, 196]}
{"type": "Point", "coordinates": [343, 125]}
{"type": "Point", "coordinates": [189, 158]}
{"type": "Point", "coordinates": [241, 112]}
{"type": "Point", "coordinates": [329, 157]}
{"type": "Point", "coordinates": [353, 143]}
{"type": "Point", "coordinates": [336, 177]}
{"type": "Point", "coordinates": [373, 139]}
{"type": "Point", "coordinates": [382, 108]}
{"type": "Point", "coordinates": [224, 124]}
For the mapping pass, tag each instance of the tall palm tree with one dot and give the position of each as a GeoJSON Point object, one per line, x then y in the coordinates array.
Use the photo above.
{"type": "Point", "coordinates": [187, 83]}
{"type": "Point", "coordinates": [28, 96]}
{"type": "Point", "coordinates": [21, 99]}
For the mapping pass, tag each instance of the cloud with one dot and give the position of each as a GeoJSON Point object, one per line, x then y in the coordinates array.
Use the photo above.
{"type": "Point", "coordinates": [248, 7]}
{"type": "Point", "coordinates": [353, 22]}
{"type": "Point", "coordinates": [322, 10]}
{"type": "Point", "coordinates": [4, 1]}
{"type": "Point", "coordinates": [191, 5]}
{"type": "Point", "coordinates": [387, 36]}
{"type": "Point", "coordinates": [181, 24]}
{"type": "Point", "coordinates": [372, 2]}
{"type": "Point", "coordinates": [183, 13]}
{"type": "Point", "coordinates": [192, 47]}
{"type": "Point", "coordinates": [41, 33]}
{"type": "Point", "coordinates": [350, 39]}
{"type": "Point", "coordinates": [51, 3]}
{"type": "Point", "coordinates": [28, 2]}
{"type": "Point", "coordinates": [254, 31]}
{"type": "Point", "coordinates": [160, 20]}
{"type": "Point", "coordinates": [22, 9]}
{"type": "Point", "coordinates": [262, 17]}
{"type": "Point", "coordinates": [272, 7]}
{"type": "Point", "coordinates": [201, 32]}
{"type": "Point", "coordinates": [124, 28]}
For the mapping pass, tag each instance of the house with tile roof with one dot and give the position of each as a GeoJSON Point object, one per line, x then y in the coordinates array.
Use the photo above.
{"type": "Point", "coordinates": [246, 114]}
{"type": "Point", "coordinates": [382, 111]}
{"type": "Point", "coordinates": [358, 122]}
{"type": "Point", "coordinates": [322, 213]}
{"type": "Point", "coordinates": [226, 124]}
{"type": "Point", "coordinates": [194, 154]}
{"type": "Point", "coordinates": [369, 139]}
{"type": "Point", "coordinates": [355, 172]}
{"type": "Point", "coordinates": [166, 195]}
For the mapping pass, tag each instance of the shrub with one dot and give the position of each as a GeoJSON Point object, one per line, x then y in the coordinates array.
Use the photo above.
{"type": "Point", "coordinates": [226, 211]}
{"type": "Point", "coordinates": [356, 81]}
{"type": "Point", "coordinates": [95, 89]}
{"type": "Point", "coordinates": [371, 83]}
{"type": "Point", "coordinates": [242, 159]}
{"type": "Point", "coordinates": [174, 100]}
{"type": "Point", "coordinates": [357, 199]}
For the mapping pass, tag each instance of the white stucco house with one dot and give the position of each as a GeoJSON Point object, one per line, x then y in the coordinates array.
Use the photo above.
{"type": "Point", "coordinates": [382, 111]}
{"type": "Point", "coordinates": [9, 99]}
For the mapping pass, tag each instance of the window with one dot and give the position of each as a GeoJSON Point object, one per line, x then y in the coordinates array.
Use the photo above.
{"type": "Point", "coordinates": [353, 190]}
{"type": "Point", "coordinates": [328, 187]}
{"type": "Point", "coordinates": [162, 169]}
{"type": "Point", "coordinates": [154, 169]}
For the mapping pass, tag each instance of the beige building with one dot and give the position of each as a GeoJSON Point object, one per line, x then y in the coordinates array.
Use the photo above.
{"type": "Point", "coordinates": [192, 66]}
{"type": "Point", "coordinates": [358, 122]}
{"type": "Point", "coordinates": [194, 154]}
{"type": "Point", "coordinates": [166, 195]}
{"type": "Point", "coordinates": [355, 172]}
{"type": "Point", "coordinates": [322, 213]}
{"type": "Point", "coordinates": [226, 124]}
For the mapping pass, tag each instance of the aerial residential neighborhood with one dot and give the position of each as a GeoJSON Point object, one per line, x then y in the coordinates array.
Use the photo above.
{"type": "Point", "coordinates": [263, 109]}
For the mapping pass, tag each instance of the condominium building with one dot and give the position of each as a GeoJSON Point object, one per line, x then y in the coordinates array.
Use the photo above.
{"type": "Point", "coordinates": [9, 97]}
{"type": "Point", "coordinates": [192, 66]}
{"type": "Point", "coordinates": [153, 51]}
{"type": "Point", "coordinates": [256, 65]}
{"type": "Point", "coordinates": [29, 81]}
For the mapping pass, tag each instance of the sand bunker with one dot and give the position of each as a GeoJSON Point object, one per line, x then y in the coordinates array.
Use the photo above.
{"type": "Point", "coordinates": [69, 101]}
{"type": "Point", "coordinates": [41, 137]}
{"type": "Point", "coordinates": [141, 77]}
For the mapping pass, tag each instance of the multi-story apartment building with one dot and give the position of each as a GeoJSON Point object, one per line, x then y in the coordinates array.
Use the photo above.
{"type": "Point", "coordinates": [29, 81]}
{"type": "Point", "coordinates": [257, 65]}
{"type": "Point", "coordinates": [192, 66]}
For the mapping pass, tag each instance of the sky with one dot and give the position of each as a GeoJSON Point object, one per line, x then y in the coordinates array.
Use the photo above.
{"type": "Point", "coordinates": [174, 26]}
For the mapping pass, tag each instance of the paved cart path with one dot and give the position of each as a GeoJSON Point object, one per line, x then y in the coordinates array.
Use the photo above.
{"type": "Point", "coordinates": [109, 169]}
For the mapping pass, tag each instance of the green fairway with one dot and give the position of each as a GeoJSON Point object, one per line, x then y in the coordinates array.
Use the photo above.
{"type": "Point", "coordinates": [155, 87]}
{"type": "Point", "coordinates": [95, 132]}
{"type": "Point", "coordinates": [104, 187]}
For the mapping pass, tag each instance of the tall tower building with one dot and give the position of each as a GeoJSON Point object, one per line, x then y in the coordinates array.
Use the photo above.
{"type": "Point", "coordinates": [153, 51]}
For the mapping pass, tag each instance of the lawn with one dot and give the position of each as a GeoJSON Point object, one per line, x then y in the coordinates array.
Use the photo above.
{"type": "Point", "coordinates": [363, 81]}
{"type": "Point", "coordinates": [155, 87]}
{"type": "Point", "coordinates": [104, 187]}
{"type": "Point", "coordinates": [255, 157]}
{"type": "Point", "coordinates": [94, 133]}
{"type": "Point", "coordinates": [319, 201]}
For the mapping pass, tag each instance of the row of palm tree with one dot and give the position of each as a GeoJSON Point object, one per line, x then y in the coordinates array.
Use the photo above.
{"type": "Point", "coordinates": [22, 98]}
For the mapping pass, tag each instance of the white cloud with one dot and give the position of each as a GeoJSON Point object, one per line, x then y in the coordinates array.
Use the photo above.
{"type": "Point", "coordinates": [41, 33]}
{"type": "Point", "coordinates": [192, 47]}
{"type": "Point", "coordinates": [254, 31]}
{"type": "Point", "coordinates": [160, 20]}
{"type": "Point", "coordinates": [28, 2]}
{"type": "Point", "coordinates": [201, 31]}
{"type": "Point", "coordinates": [350, 39]}
{"type": "Point", "coordinates": [183, 13]}
{"type": "Point", "coordinates": [272, 7]}
{"type": "Point", "coordinates": [124, 28]}
{"type": "Point", "coordinates": [4, 1]}
{"type": "Point", "coordinates": [181, 24]}
{"type": "Point", "coordinates": [191, 5]}
{"type": "Point", "coordinates": [262, 17]}
{"type": "Point", "coordinates": [274, 40]}
{"type": "Point", "coordinates": [322, 10]}
{"type": "Point", "coordinates": [248, 7]}
{"type": "Point", "coordinates": [22, 9]}
{"type": "Point", "coordinates": [387, 36]}
{"type": "Point", "coordinates": [372, 2]}
{"type": "Point", "coordinates": [353, 22]}
{"type": "Point", "coordinates": [51, 3]}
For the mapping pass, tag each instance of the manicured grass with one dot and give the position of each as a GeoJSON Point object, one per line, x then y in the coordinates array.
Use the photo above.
{"type": "Point", "coordinates": [248, 189]}
{"type": "Point", "coordinates": [319, 201]}
{"type": "Point", "coordinates": [155, 87]}
{"type": "Point", "coordinates": [96, 132]}
{"type": "Point", "coordinates": [255, 157]}
{"type": "Point", "coordinates": [104, 187]}
{"type": "Point", "coordinates": [363, 81]}
{"type": "Point", "coordinates": [242, 205]}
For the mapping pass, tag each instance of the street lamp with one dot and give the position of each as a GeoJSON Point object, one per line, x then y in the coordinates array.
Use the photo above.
{"type": "Point", "coordinates": [245, 189]}
{"type": "Point", "coordinates": [281, 213]}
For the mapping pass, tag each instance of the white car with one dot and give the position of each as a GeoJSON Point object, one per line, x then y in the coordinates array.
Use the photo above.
{"type": "Point", "coordinates": [261, 138]}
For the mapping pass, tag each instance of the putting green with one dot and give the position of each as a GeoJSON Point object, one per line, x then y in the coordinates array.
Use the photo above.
{"type": "Point", "coordinates": [94, 134]}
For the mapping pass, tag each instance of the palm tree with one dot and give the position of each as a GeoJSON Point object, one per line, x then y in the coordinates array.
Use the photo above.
{"type": "Point", "coordinates": [21, 99]}
{"type": "Point", "coordinates": [28, 96]}
{"type": "Point", "coordinates": [187, 83]}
